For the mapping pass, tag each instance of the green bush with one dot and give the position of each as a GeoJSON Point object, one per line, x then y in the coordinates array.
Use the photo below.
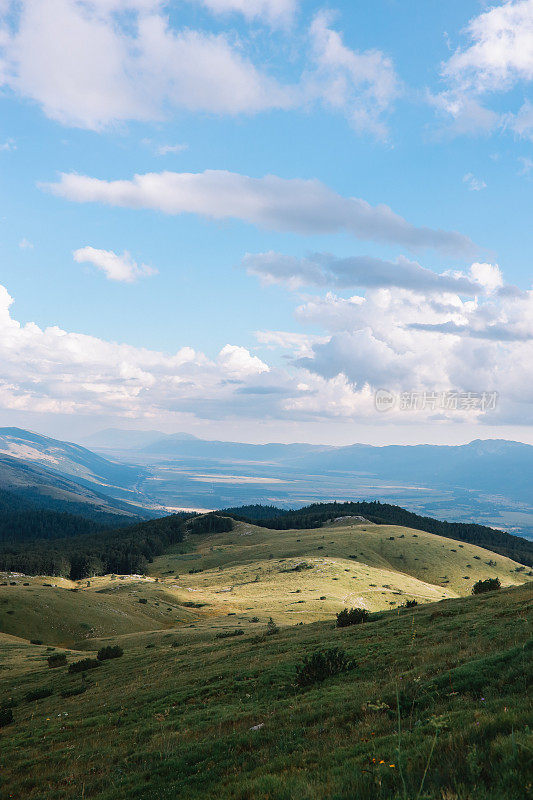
{"type": "Point", "coordinates": [352, 616]}
{"type": "Point", "coordinates": [272, 628]}
{"type": "Point", "coordinates": [111, 651]}
{"type": "Point", "coordinates": [410, 604]}
{"type": "Point", "coordinates": [488, 585]}
{"type": "Point", "coordinates": [84, 664]}
{"type": "Point", "coordinates": [38, 694]}
{"type": "Point", "coordinates": [6, 716]}
{"type": "Point", "coordinates": [228, 634]}
{"type": "Point", "coordinates": [36, 641]}
{"type": "Point", "coordinates": [57, 660]}
{"type": "Point", "coordinates": [322, 664]}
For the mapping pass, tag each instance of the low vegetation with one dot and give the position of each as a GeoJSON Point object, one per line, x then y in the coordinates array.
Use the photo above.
{"type": "Point", "coordinates": [488, 585]}
{"type": "Point", "coordinates": [110, 651]}
{"type": "Point", "coordinates": [351, 616]}
{"type": "Point", "coordinates": [322, 664]}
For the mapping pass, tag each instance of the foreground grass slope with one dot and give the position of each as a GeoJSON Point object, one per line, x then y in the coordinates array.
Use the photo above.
{"type": "Point", "coordinates": [435, 707]}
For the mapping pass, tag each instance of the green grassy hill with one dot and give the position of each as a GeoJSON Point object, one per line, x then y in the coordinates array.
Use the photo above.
{"type": "Point", "coordinates": [435, 706]}
{"type": "Point", "coordinates": [296, 575]}
{"type": "Point", "coordinates": [432, 702]}
{"type": "Point", "coordinates": [221, 579]}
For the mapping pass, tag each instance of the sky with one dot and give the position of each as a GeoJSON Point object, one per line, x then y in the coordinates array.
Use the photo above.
{"type": "Point", "coordinates": [244, 218]}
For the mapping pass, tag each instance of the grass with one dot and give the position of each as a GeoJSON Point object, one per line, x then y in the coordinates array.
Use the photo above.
{"type": "Point", "coordinates": [205, 701]}
{"type": "Point", "coordinates": [435, 707]}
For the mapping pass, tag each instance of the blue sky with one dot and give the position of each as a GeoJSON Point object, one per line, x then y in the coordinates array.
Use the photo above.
{"type": "Point", "coordinates": [420, 107]}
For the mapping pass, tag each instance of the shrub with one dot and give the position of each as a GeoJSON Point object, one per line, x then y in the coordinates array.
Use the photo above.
{"type": "Point", "coordinates": [143, 600]}
{"type": "Point", "coordinates": [410, 604]}
{"type": "Point", "coordinates": [38, 694]}
{"type": "Point", "coordinates": [272, 628]}
{"type": "Point", "coordinates": [111, 651]}
{"type": "Point", "coordinates": [352, 616]}
{"type": "Point", "coordinates": [322, 664]}
{"type": "Point", "coordinates": [57, 660]}
{"type": "Point", "coordinates": [228, 634]}
{"type": "Point", "coordinates": [84, 664]}
{"type": "Point", "coordinates": [6, 716]}
{"type": "Point", "coordinates": [36, 641]}
{"type": "Point", "coordinates": [489, 585]}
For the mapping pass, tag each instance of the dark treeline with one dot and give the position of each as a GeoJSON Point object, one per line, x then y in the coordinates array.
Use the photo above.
{"type": "Point", "coordinates": [256, 512]}
{"type": "Point", "coordinates": [124, 551]}
{"type": "Point", "coordinates": [22, 517]}
{"type": "Point", "coordinates": [315, 515]}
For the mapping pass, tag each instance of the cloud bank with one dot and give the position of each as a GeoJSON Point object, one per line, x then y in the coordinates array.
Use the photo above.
{"type": "Point", "coordinates": [279, 204]}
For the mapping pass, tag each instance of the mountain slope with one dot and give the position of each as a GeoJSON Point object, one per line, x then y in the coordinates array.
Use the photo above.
{"type": "Point", "coordinates": [41, 488]}
{"type": "Point", "coordinates": [67, 459]}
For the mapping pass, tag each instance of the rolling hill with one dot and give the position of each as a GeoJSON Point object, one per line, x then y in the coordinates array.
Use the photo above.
{"type": "Point", "coordinates": [431, 703]}
{"type": "Point", "coordinates": [227, 578]}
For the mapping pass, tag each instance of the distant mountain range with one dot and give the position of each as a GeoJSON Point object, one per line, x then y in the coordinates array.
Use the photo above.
{"type": "Point", "coordinates": [485, 481]}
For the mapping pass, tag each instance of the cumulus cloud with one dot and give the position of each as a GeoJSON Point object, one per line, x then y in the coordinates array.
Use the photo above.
{"type": "Point", "coordinates": [325, 270]}
{"type": "Point", "coordinates": [95, 63]}
{"type": "Point", "coordinates": [398, 339]}
{"type": "Point", "coordinates": [300, 206]}
{"type": "Point", "coordinates": [500, 52]}
{"type": "Point", "coordinates": [116, 267]}
{"type": "Point", "coordinates": [392, 338]}
{"type": "Point", "coordinates": [53, 370]}
{"type": "Point", "coordinates": [498, 56]}
{"type": "Point", "coordinates": [101, 62]}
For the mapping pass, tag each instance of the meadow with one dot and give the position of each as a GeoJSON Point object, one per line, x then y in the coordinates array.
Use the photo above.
{"type": "Point", "coordinates": [433, 701]}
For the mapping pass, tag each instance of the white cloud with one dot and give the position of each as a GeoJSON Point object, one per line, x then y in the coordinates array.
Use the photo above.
{"type": "Point", "coordinates": [325, 270]}
{"type": "Point", "coordinates": [116, 268]}
{"type": "Point", "coordinates": [498, 57]}
{"type": "Point", "coordinates": [473, 183]}
{"type": "Point", "coordinates": [8, 146]}
{"type": "Point", "coordinates": [389, 338]}
{"type": "Point", "coordinates": [362, 84]}
{"type": "Point", "coordinates": [88, 65]}
{"type": "Point", "coordinates": [24, 244]}
{"type": "Point", "coordinates": [96, 63]}
{"type": "Point", "coordinates": [237, 362]}
{"type": "Point", "coordinates": [53, 370]}
{"type": "Point", "coordinates": [300, 206]}
{"type": "Point", "coordinates": [500, 52]}
{"type": "Point", "coordinates": [275, 12]}
{"type": "Point", "coordinates": [300, 344]}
